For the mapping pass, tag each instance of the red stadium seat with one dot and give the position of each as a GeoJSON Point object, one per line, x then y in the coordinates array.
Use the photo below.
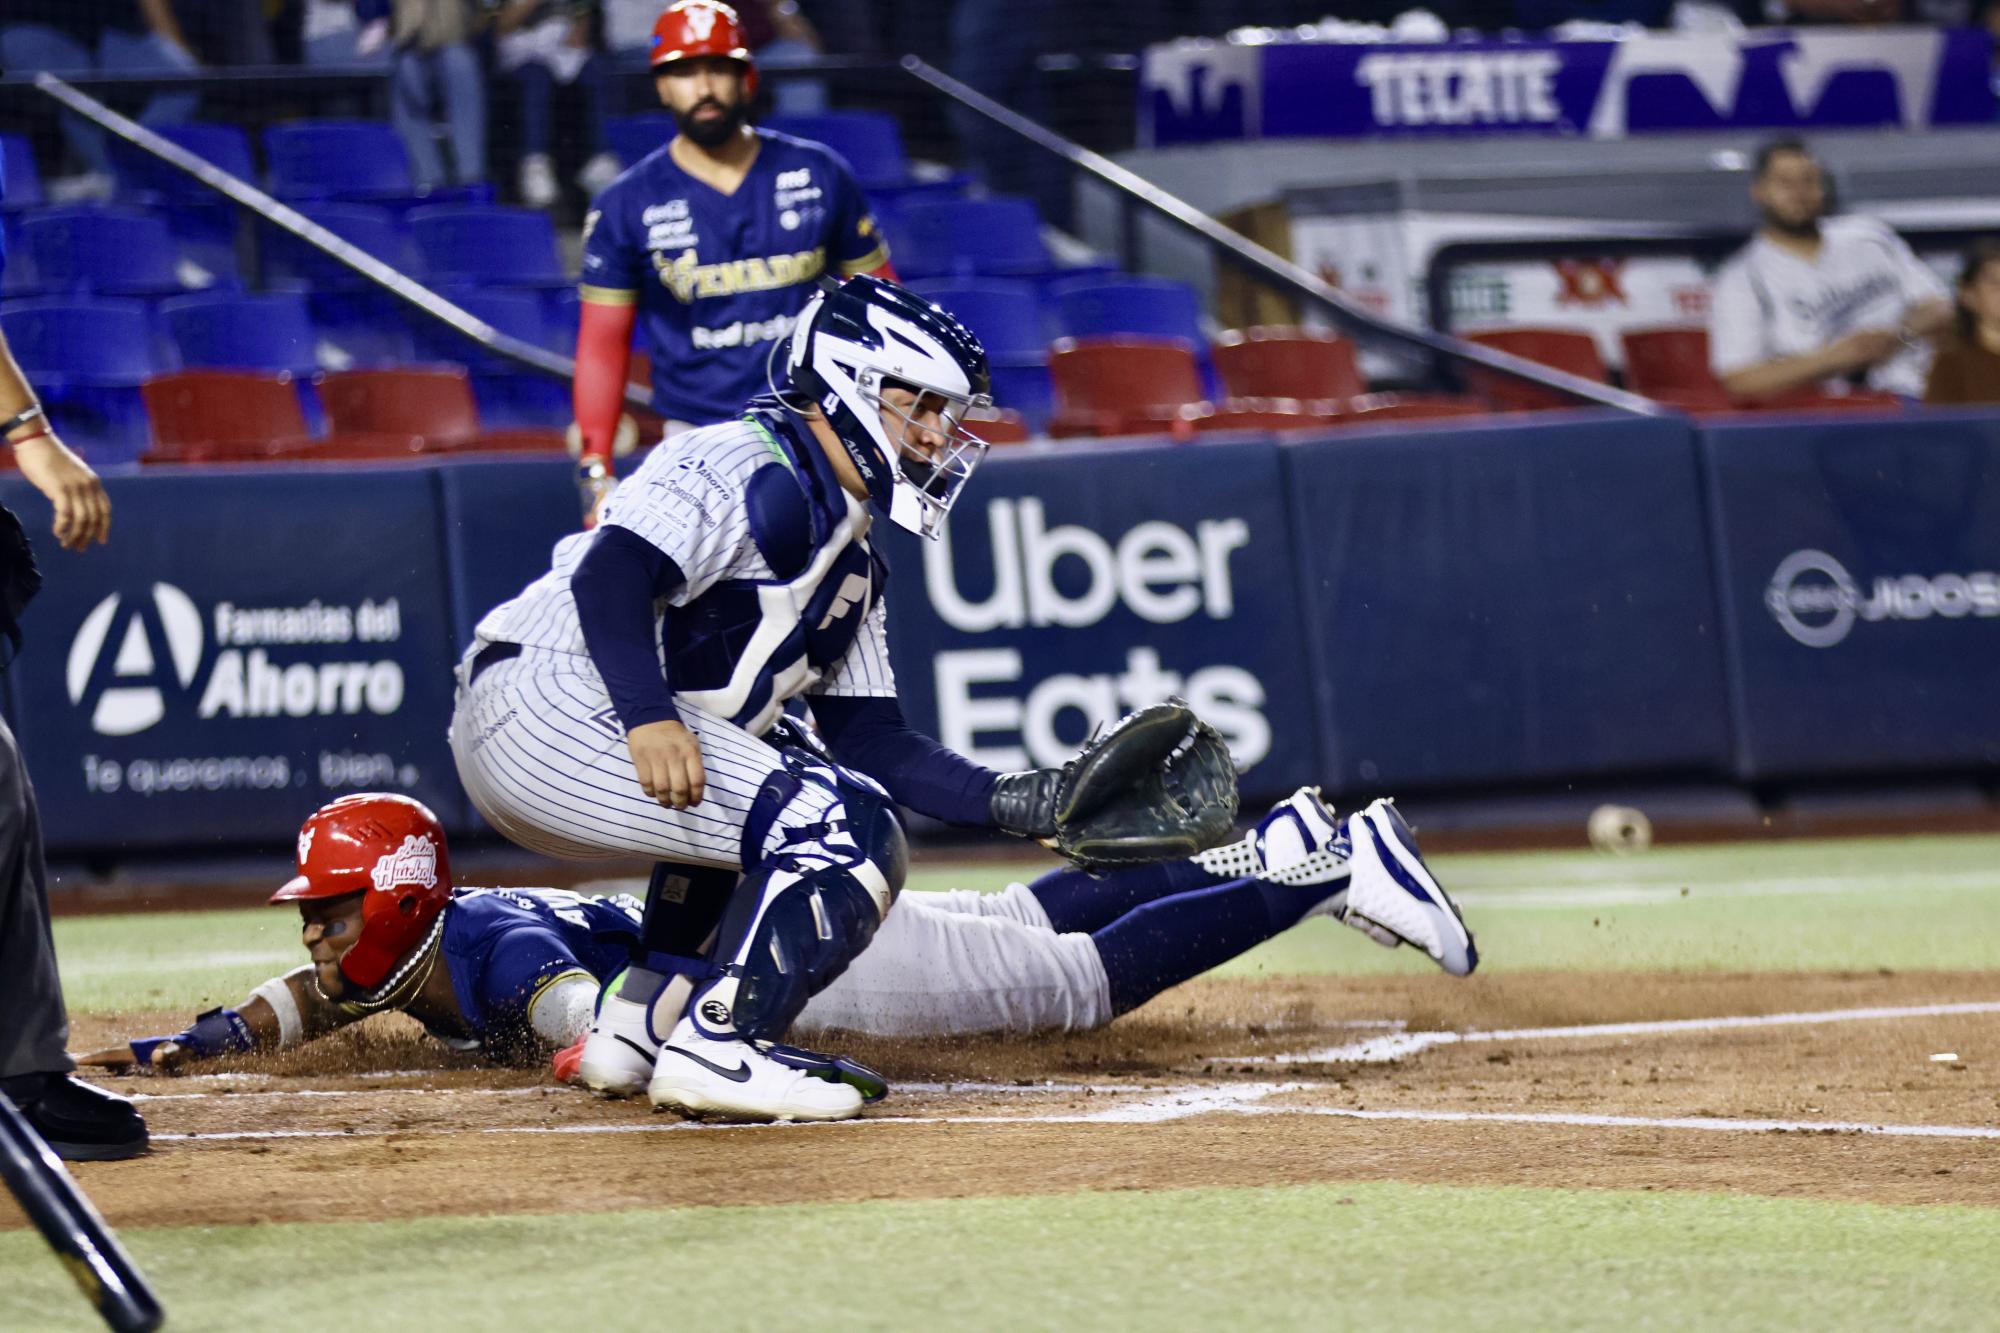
{"type": "Point", "coordinates": [999, 426]}
{"type": "Point", "coordinates": [1280, 361]}
{"type": "Point", "coordinates": [1123, 386]}
{"type": "Point", "coordinates": [1812, 400]}
{"type": "Point", "coordinates": [1261, 414]}
{"type": "Point", "coordinates": [222, 416]}
{"type": "Point", "coordinates": [1561, 349]}
{"type": "Point", "coordinates": [354, 448]}
{"type": "Point", "coordinates": [235, 416]}
{"type": "Point", "coordinates": [432, 405]}
{"type": "Point", "coordinates": [1372, 407]}
{"type": "Point", "coordinates": [1672, 366]}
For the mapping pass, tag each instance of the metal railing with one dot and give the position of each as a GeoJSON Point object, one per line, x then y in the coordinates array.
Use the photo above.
{"type": "Point", "coordinates": [1139, 193]}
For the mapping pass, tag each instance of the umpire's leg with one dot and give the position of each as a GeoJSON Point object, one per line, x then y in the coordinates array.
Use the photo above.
{"type": "Point", "coordinates": [80, 1122]}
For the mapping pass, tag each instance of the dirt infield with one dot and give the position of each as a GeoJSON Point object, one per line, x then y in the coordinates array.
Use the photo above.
{"type": "Point", "coordinates": [1218, 1083]}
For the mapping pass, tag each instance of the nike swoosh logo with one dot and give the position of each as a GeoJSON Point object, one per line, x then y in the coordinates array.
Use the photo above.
{"type": "Point", "coordinates": [740, 1074]}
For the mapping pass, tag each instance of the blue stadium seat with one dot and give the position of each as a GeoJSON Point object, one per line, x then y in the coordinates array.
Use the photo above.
{"type": "Point", "coordinates": [469, 243]}
{"type": "Point", "coordinates": [632, 137]}
{"type": "Point", "coordinates": [962, 237]}
{"type": "Point", "coordinates": [372, 229]}
{"type": "Point", "coordinates": [871, 142]}
{"type": "Point", "coordinates": [87, 359]}
{"type": "Point", "coordinates": [360, 330]}
{"type": "Point", "coordinates": [19, 280]}
{"type": "Point", "coordinates": [1005, 316]}
{"type": "Point", "coordinates": [329, 159]}
{"type": "Point", "coordinates": [1095, 307]}
{"type": "Point", "coordinates": [24, 179]}
{"type": "Point", "coordinates": [518, 313]}
{"type": "Point", "coordinates": [1101, 306]}
{"type": "Point", "coordinates": [109, 251]}
{"type": "Point", "coordinates": [510, 396]}
{"type": "Point", "coordinates": [203, 223]}
{"type": "Point", "coordinates": [563, 310]}
{"type": "Point", "coordinates": [1025, 388]}
{"type": "Point", "coordinates": [139, 172]}
{"type": "Point", "coordinates": [233, 331]}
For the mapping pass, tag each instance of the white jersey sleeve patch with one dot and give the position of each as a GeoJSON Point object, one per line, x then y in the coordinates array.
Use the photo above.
{"type": "Point", "coordinates": [688, 500]}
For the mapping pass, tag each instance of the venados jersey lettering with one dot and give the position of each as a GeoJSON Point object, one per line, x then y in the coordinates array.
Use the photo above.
{"type": "Point", "coordinates": [690, 280]}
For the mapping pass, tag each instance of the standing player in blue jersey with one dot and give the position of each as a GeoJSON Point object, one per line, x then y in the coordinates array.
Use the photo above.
{"type": "Point", "coordinates": [716, 239]}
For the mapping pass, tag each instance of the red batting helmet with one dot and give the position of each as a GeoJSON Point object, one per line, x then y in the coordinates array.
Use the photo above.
{"type": "Point", "coordinates": [388, 847]}
{"type": "Point", "coordinates": [693, 28]}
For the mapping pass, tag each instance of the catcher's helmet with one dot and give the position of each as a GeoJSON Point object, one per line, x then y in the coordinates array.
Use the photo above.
{"type": "Point", "coordinates": [853, 340]}
{"type": "Point", "coordinates": [388, 847]}
{"type": "Point", "coordinates": [693, 28]}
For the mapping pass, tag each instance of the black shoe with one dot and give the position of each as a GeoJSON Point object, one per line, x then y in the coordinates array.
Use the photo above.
{"type": "Point", "coordinates": [82, 1123]}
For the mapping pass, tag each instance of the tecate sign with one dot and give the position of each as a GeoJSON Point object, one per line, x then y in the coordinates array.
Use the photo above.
{"type": "Point", "coordinates": [1816, 601]}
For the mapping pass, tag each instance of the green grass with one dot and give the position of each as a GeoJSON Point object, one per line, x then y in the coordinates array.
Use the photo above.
{"type": "Point", "coordinates": [1902, 903]}
{"type": "Point", "coordinates": [1377, 1255]}
{"type": "Point", "coordinates": [1319, 1256]}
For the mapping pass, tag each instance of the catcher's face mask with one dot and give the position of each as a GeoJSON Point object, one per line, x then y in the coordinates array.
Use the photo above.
{"type": "Point", "coordinates": [934, 454]}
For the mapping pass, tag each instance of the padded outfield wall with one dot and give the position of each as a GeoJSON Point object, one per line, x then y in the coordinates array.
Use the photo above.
{"type": "Point", "coordinates": [1565, 597]}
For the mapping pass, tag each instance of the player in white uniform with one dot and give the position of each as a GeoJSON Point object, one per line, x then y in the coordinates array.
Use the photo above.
{"type": "Point", "coordinates": [1812, 300]}
{"type": "Point", "coordinates": [625, 702]}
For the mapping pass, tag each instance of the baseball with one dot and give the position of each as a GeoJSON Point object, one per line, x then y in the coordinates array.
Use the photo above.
{"type": "Point", "coordinates": [1620, 830]}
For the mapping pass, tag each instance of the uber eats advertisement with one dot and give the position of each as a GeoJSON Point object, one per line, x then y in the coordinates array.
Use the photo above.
{"type": "Point", "coordinates": [243, 650]}
{"type": "Point", "coordinates": [1062, 595]}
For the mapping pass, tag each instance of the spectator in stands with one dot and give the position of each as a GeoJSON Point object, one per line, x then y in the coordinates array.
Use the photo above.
{"type": "Point", "coordinates": [86, 36]}
{"type": "Point", "coordinates": [542, 44]}
{"type": "Point", "coordinates": [1817, 302]}
{"type": "Point", "coordinates": [228, 32]}
{"type": "Point", "coordinates": [436, 66]}
{"type": "Point", "coordinates": [333, 32]}
{"type": "Point", "coordinates": [1967, 369]}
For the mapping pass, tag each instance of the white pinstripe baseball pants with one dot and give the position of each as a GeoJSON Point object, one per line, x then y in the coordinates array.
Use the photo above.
{"type": "Point", "coordinates": [540, 751]}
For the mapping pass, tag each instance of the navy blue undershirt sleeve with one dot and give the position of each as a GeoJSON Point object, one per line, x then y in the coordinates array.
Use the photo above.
{"type": "Point", "coordinates": [615, 585]}
{"type": "Point", "coordinates": [871, 734]}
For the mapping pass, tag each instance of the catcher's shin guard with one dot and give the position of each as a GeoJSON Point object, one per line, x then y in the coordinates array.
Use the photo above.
{"type": "Point", "coordinates": [801, 916]}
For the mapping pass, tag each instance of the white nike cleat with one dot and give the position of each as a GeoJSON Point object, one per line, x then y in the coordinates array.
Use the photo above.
{"type": "Point", "coordinates": [734, 1080]}
{"type": "Point", "coordinates": [618, 1055]}
{"type": "Point", "coordinates": [1299, 842]}
{"type": "Point", "coordinates": [1393, 891]}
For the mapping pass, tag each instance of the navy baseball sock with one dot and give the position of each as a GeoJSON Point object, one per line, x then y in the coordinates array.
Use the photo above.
{"type": "Point", "coordinates": [1166, 941]}
{"type": "Point", "coordinates": [1076, 901]}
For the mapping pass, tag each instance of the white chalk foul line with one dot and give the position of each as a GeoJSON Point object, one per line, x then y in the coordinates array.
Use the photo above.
{"type": "Point", "coordinates": [1378, 1050]}
{"type": "Point", "coordinates": [1045, 1088]}
{"type": "Point", "coordinates": [1247, 1099]}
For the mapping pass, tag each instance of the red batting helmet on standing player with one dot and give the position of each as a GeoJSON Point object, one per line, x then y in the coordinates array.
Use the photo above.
{"type": "Point", "coordinates": [703, 28]}
{"type": "Point", "coordinates": [388, 847]}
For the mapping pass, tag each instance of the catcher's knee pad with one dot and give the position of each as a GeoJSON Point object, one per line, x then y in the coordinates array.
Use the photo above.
{"type": "Point", "coordinates": [804, 912]}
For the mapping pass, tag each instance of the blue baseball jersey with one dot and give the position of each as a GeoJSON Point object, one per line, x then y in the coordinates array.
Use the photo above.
{"type": "Point", "coordinates": [506, 946]}
{"type": "Point", "coordinates": [719, 278]}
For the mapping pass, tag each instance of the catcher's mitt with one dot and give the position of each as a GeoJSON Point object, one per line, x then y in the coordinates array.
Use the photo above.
{"type": "Point", "coordinates": [1157, 786]}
